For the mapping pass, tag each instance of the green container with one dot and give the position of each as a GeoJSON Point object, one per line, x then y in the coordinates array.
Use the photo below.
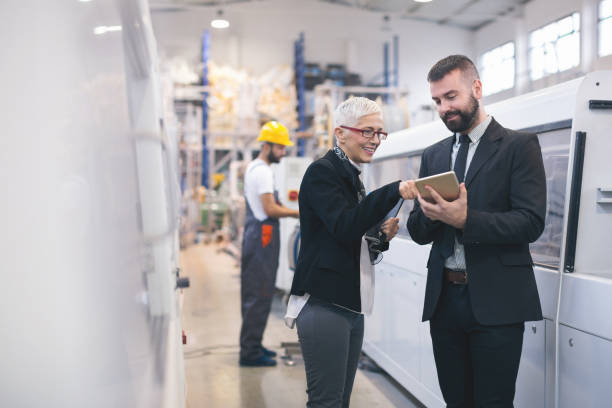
{"type": "Point", "coordinates": [204, 208]}
{"type": "Point", "coordinates": [218, 211]}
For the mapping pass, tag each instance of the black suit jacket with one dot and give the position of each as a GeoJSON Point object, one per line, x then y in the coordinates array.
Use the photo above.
{"type": "Point", "coordinates": [506, 189]}
{"type": "Point", "coordinates": [332, 223]}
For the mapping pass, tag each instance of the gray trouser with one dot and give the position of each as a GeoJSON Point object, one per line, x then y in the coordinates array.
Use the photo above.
{"type": "Point", "coordinates": [331, 339]}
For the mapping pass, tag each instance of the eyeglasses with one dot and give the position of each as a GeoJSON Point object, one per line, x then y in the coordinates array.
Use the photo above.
{"type": "Point", "coordinates": [368, 133]}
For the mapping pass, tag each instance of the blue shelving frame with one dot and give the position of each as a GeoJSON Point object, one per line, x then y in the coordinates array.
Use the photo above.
{"type": "Point", "coordinates": [205, 58]}
{"type": "Point", "coordinates": [386, 65]}
{"type": "Point", "coordinates": [395, 71]}
{"type": "Point", "coordinates": [300, 85]}
{"type": "Point", "coordinates": [396, 61]}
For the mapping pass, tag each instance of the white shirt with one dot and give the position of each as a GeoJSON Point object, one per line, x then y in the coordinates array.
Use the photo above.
{"type": "Point", "coordinates": [258, 180]}
{"type": "Point", "coordinates": [456, 261]}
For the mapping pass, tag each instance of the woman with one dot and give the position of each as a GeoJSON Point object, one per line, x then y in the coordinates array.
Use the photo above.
{"type": "Point", "coordinates": [333, 281]}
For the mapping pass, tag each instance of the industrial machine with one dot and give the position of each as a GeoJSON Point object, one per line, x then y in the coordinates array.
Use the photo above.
{"type": "Point", "coordinates": [288, 175]}
{"type": "Point", "coordinates": [567, 357]}
{"type": "Point", "coordinates": [89, 211]}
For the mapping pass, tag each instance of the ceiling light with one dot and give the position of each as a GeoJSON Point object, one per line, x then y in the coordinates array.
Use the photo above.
{"type": "Point", "coordinates": [106, 29]}
{"type": "Point", "coordinates": [423, 1]}
{"type": "Point", "coordinates": [219, 22]}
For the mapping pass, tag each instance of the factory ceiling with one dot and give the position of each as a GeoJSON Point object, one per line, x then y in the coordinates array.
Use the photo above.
{"type": "Point", "coordinates": [466, 14]}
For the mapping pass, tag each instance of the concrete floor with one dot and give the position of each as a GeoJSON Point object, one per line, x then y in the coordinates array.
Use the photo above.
{"type": "Point", "coordinates": [211, 320]}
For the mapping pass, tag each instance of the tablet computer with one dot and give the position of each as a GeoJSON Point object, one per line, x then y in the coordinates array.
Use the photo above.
{"type": "Point", "coordinates": [445, 184]}
{"type": "Point", "coordinates": [375, 230]}
{"type": "Point", "coordinates": [395, 210]}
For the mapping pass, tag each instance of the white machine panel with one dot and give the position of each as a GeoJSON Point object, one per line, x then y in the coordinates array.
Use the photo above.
{"type": "Point", "coordinates": [585, 370]}
{"type": "Point", "coordinates": [580, 300]}
{"type": "Point", "coordinates": [531, 380]}
{"type": "Point", "coordinates": [288, 176]}
{"type": "Point", "coordinates": [595, 217]}
{"type": "Point", "coordinates": [586, 302]}
{"type": "Point", "coordinates": [89, 306]}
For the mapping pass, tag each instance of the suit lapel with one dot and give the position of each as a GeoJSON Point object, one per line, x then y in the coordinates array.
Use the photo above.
{"type": "Point", "coordinates": [486, 148]}
{"type": "Point", "coordinates": [442, 160]}
{"type": "Point", "coordinates": [348, 178]}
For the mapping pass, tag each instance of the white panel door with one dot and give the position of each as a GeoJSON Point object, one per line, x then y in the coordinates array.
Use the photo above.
{"type": "Point", "coordinates": [531, 381]}
{"type": "Point", "coordinates": [585, 370]}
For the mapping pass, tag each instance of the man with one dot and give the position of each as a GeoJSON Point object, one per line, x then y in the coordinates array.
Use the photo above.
{"type": "Point", "coordinates": [480, 286]}
{"type": "Point", "coordinates": [261, 244]}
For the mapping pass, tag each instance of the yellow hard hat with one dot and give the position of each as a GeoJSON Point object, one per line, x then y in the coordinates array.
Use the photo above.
{"type": "Point", "coordinates": [274, 132]}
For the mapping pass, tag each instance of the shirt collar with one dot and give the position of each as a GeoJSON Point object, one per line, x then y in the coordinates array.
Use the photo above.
{"type": "Point", "coordinates": [340, 153]}
{"type": "Point", "coordinates": [355, 165]}
{"type": "Point", "coordinates": [478, 131]}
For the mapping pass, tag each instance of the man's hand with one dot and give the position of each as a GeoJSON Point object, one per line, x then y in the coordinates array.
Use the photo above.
{"type": "Point", "coordinates": [276, 210]}
{"type": "Point", "coordinates": [408, 190]}
{"type": "Point", "coordinates": [453, 213]}
{"type": "Point", "coordinates": [390, 228]}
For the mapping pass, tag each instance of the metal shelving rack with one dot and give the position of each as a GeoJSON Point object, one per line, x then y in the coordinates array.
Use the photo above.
{"type": "Point", "coordinates": [205, 57]}
{"type": "Point", "coordinates": [300, 85]}
{"type": "Point", "coordinates": [328, 96]}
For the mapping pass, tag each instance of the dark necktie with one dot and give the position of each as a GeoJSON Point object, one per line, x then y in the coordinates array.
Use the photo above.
{"type": "Point", "coordinates": [461, 159]}
{"type": "Point", "coordinates": [448, 244]}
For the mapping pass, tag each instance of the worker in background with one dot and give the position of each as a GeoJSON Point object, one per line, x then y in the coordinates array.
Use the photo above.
{"type": "Point", "coordinates": [261, 244]}
{"type": "Point", "coordinates": [480, 286]}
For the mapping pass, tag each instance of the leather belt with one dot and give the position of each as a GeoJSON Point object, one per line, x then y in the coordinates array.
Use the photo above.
{"type": "Point", "coordinates": [456, 277]}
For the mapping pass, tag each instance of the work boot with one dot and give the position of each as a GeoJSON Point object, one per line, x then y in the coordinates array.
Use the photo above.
{"type": "Point", "coordinates": [261, 361]}
{"type": "Point", "coordinates": [268, 352]}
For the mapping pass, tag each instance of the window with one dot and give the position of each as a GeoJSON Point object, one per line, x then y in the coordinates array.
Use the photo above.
{"type": "Point", "coordinates": [497, 69]}
{"type": "Point", "coordinates": [555, 47]}
{"type": "Point", "coordinates": [555, 143]}
{"type": "Point", "coordinates": [605, 28]}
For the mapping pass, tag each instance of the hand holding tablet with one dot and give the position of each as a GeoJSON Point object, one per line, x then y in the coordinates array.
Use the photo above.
{"type": "Point", "coordinates": [446, 184]}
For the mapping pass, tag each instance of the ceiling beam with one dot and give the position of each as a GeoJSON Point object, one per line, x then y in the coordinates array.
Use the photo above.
{"type": "Point", "coordinates": [458, 11]}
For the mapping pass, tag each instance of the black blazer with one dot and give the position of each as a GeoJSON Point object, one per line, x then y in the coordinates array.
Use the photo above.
{"type": "Point", "coordinates": [506, 189]}
{"type": "Point", "coordinates": [332, 223]}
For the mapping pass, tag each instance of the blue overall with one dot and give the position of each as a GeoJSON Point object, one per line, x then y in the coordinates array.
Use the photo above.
{"type": "Point", "coordinates": [259, 262]}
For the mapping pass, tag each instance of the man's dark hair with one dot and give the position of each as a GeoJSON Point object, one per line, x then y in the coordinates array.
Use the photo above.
{"type": "Point", "coordinates": [450, 63]}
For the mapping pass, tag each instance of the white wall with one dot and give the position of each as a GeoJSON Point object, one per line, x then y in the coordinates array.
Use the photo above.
{"type": "Point", "coordinates": [262, 33]}
{"type": "Point", "coordinates": [534, 15]}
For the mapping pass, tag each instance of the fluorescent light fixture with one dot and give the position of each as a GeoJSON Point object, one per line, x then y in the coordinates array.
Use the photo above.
{"type": "Point", "coordinates": [423, 1]}
{"type": "Point", "coordinates": [84, 1]}
{"type": "Point", "coordinates": [106, 29]}
{"type": "Point", "coordinates": [219, 23]}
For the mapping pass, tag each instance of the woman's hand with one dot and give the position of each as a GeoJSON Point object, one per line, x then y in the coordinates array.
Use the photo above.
{"type": "Point", "coordinates": [408, 190]}
{"type": "Point", "coordinates": [390, 228]}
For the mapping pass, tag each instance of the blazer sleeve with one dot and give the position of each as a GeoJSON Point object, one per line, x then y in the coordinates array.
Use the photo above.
{"type": "Point", "coordinates": [524, 222]}
{"type": "Point", "coordinates": [422, 230]}
{"type": "Point", "coordinates": [345, 221]}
